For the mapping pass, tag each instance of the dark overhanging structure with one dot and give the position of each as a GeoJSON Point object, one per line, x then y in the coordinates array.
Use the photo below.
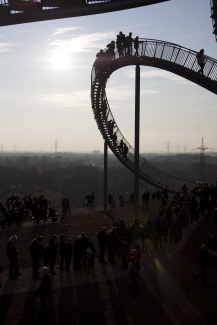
{"type": "Point", "coordinates": [19, 11]}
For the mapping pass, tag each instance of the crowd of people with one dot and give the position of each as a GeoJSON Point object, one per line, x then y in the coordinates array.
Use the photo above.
{"type": "Point", "coordinates": [126, 199]}
{"type": "Point", "coordinates": [89, 200]}
{"type": "Point", "coordinates": [82, 252]}
{"type": "Point", "coordinates": [127, 45]}
{"type": "Point", "coordinates": [123, 241]}
{"type": "Point", "coordinates": [168, 225]}
{"type": "Point", "coordinates": [16, 209]}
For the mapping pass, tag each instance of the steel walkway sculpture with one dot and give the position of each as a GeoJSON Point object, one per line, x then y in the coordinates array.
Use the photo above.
{"type": "Point", "coordinates": [213, 5]}
{"type": "Point", "coordinates": [155, 53]}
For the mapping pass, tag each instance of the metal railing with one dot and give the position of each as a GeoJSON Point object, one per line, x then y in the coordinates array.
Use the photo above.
{"type": "Point", "coordinates": [103, 67]}
{"type": "Point", "coordinates": [168, 52]}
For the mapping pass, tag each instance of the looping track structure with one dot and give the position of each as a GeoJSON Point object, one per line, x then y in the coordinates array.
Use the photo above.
{"type": "Point", "coordinates": [158, 54]}
{"type": "Point", "coordinates": [213, 5]}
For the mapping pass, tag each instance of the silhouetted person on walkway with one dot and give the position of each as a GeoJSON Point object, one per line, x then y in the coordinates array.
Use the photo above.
{"type": "Point", "coordinates": [121, 145]}
{"type": "Point", "coordinates": [111, 50]}
{"type": "Point", "coordinates": [119, 46]}
{"type": "Point", "coordinates": [129, 42]}
{"type": "Point", "coordinates": [122, 43]}
{"type": "Point", "coordinates": [114, 138]}
{"type": "Point", "coordinates": [136, 45]}
{"type": "Point", "coordinates": [201, 60]}
{"type": "Point", "coordinates": [125, 150]}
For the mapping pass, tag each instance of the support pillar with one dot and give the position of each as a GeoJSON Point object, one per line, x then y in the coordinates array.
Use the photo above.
{"type": "Point", "coordinates": [136, 159]}
{"type": "Point", "coordinates": [105, 175]}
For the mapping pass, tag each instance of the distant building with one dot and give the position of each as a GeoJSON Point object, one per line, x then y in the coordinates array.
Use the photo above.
{"type": "Point", "coordinates": [96, 152]}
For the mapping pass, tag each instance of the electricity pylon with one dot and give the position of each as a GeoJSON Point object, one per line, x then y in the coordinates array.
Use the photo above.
{"type": "Point", "coordinates": [202, 149]}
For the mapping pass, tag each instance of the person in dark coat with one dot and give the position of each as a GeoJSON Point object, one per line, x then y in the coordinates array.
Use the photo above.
{"type": "Point", "coordinates": [124, 248]}
{"type": "Point", "coordinates": [92, 199]}
{"type": "Point", "coordinates": [8, 218]}
{"type": "Point", "coordinates": [68, 254]}
{"type": "Point", "coordinates": [193, 208]}
{"type": "Point", "coordinates": [136, 230]}
{"type": "Point", "coordinates": [78, 253]}
{"type": "Point", "coordinates": [46, 255]}
{"type": "Point", "coordinates": [212, 243]}
{"type": "Point", "coordinates": [53, 252]}
{"type": "Point", "coordinates": [215, 217]}
{"type": "Point", "coordinates": [146, 234]}
{"type": "Point", "coordinates": [165, 196]}
{"type": "Point", "coordinates": [44, 288]}
{"type": "Point", "coordinates": [40, 247]}
{"type": "Point", "coordinates": [34, 251]}
{"type": "Point", "coordinates": [203, 259]}
{"type": "Point", "coordinates": [88, 256]}
{"type": "Point", "coordinates": [102, 240]}
{"type": "Point", "coordinates": [92, 257]}
{"type": "Point", "coordinates": [136, 45]}
{"type": "Point", "coordinates": [112, 245]}
{"type": "Point", "coordinates": [62, 251]}
{"type": "Point", "coordinates": [201, 60]}
{"type": "Point", "coordinates": [133, 275]}
{"type": "Point", "coordinates": [12, 253]}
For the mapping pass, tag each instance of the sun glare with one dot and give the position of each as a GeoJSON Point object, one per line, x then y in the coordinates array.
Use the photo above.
{"type": "Point", "coordinates": [62, 52]}
{"type": "Point", "coordinates": [60, 60]}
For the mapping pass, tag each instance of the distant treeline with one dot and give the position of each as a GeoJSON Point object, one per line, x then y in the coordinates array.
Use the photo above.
{"type": "Point", "coordinates": [76, 175]}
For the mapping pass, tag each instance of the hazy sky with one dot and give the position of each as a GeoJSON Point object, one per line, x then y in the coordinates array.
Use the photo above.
{"type": "Point", "coordinates": [45, 82]}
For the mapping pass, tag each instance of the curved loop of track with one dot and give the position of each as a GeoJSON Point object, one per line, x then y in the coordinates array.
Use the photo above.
{"type": "Point", "coordinates": [158, 54]}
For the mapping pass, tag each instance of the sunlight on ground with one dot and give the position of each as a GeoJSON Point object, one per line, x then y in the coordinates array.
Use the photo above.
{"type": "Point", "coordinates": [173, 299]}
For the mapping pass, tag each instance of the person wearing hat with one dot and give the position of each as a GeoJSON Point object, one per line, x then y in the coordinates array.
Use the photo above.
{"type": "Point", "coordinates": [203, 259]}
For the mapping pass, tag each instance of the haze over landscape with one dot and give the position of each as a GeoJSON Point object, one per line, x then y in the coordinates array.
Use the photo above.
{"type": "Point", "coordinates": [45, 82]}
